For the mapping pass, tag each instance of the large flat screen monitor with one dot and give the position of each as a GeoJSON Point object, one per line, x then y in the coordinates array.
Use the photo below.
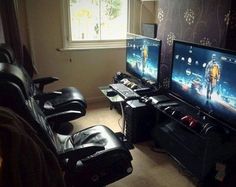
{"type": "Point", "coordinates": [143, 57]}
{"type": "Point", "coordinates": [205, 77]}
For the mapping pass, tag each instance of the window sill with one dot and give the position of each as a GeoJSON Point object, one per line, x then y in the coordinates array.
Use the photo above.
{"type": "Point", "coordinates": [72, 46]}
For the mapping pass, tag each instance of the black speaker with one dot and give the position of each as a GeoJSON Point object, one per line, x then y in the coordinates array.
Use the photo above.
{"type": "Point", "coordinates": [149, 30]}
{"type": "Point", "coordinates": [139, 119]}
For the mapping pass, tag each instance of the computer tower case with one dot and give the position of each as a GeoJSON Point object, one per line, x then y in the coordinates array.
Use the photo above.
{"type": "Point", "coordinates": [139, 121]}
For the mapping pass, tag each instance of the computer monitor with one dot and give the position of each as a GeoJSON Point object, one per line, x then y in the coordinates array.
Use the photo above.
{"type": "Point", "coordinates": [205, 78]}
{"type": "Point", "coordinates": [143, 57]}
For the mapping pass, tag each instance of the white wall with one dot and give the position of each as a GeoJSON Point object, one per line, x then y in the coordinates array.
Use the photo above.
{"type": "Point", "coordinates": [142, 12]}
{"type": "Point", "coordinates": [85, 69]}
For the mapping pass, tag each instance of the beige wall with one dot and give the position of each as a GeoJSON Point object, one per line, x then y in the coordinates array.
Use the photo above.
{"type": "Point", "coordinates": [20, 8]}
{"type": "Point", "coordinates": [85, 69]}
{"type": "Point", "coordinates": [143, 12]}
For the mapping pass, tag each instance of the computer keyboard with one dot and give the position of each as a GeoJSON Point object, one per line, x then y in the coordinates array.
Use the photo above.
{"type": "Point", "coordinates": [124, 91]}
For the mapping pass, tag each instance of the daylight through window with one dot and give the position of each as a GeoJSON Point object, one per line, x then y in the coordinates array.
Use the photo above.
{"type": "Point", "coordinates": [98, 19]}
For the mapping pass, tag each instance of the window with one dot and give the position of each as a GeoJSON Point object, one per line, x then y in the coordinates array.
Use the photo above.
{"type": "Point", "coordinates": [95, 23]}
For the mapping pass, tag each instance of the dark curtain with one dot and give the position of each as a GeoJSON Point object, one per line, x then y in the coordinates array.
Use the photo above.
{"type": "Point", "coordinates": [2, 38]}
{"type": "Point", "coordinates": [231, 33]}
{"type": "Point", "coordinates": [11, 29]}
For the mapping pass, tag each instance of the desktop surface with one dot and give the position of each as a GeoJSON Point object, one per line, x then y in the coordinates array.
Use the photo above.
{"type": "Point", "coordinates": [115, 98]}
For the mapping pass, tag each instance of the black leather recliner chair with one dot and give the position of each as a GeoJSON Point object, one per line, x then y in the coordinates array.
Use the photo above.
{"type": "Point", "coordinates": [95, 156]}
{"type": "Point", "coordinates": [53, 102]}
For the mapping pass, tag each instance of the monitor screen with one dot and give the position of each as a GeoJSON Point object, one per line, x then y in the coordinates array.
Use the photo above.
{"type": "Point", "coordinates": [143, 57]}
{"type": "Point", "coordinates": [205, 77]}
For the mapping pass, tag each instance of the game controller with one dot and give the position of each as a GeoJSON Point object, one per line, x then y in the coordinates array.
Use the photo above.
{"type": "Point", "coordinates": [145, 100]}
{"type": "Point", "coordinates": [150, 82]}
{"type": "Point", "coordinates": [189, 121]}
{"type": "Point", "coordinates": [119, 76]}
{"type": "Point", "coordinates": [124, 80]}
{"type": "Point", "coordinates": [207, 128]}
{"type": "Point", "coordinates": [133, 86]}
{"type": "Point", "coordinates": [128, 83]}
{"type": "Point", "coordinates": [169, 109]}
{"type": "Point", "coordinates": [177, 114]}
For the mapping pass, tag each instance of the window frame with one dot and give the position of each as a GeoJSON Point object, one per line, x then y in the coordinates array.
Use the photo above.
{"type": "Point", "coordinates": [68, 44]}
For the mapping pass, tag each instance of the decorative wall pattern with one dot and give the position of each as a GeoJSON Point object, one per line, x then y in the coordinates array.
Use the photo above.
{"type": "Point", "coordinates": [198, 21]}
{"type": "Point", "coordinates": [230, 19]}
{"type": "Point", "coordinates": [189, 16]}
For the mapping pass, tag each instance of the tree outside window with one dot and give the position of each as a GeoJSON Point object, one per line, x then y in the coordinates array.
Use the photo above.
{"type": "Point", "coordinates": [98, 19]}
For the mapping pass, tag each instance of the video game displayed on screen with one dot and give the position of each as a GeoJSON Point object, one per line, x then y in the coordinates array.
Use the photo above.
{"type": "Point", "coordinates": [143, 57]}
{"type": "Point", "coordinates": [205, 77]}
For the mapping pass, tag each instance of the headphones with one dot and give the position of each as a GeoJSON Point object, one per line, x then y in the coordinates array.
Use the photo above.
{"type": "Point", "coordinates": [119, 76]}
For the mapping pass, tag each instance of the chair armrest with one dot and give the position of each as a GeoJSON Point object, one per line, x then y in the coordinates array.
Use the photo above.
{"type": "Point", "coordinates": [61, 117]}
{"type": "Point", "coordinates": [43, 97]}
{"type": "Point", "coordinates": [71, 105]}
{"type": "Point", "coordinates": [43, 81]}
{"type": "Point", "coordinates": [47, 96]}
{"type": "Point", "coordinates": [71, 156]}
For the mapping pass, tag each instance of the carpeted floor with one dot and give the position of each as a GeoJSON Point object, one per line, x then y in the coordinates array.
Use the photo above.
{"type": "Point", "coordinates": [151, 169]}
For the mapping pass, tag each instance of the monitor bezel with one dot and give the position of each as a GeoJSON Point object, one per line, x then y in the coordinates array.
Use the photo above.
{"type": "Point", "coordinates": [200, 109]}
{"type": "Point", "coordinates": [141, 79]}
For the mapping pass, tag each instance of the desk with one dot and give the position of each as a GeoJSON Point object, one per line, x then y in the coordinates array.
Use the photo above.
{"type": "Point", "coordinates": [197, 148]}
{"type": "Point", "coordinates": [138, 118]}
{"type": "Point", "coordinates": [115, 99]}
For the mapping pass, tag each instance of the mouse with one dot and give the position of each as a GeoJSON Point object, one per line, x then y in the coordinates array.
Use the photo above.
{"type": "Point", "coordinates": [145, 100]}
{"type": "Point", "coordinates": [111, 93]}
{"type": "Point", "coordinates": [187, 119]}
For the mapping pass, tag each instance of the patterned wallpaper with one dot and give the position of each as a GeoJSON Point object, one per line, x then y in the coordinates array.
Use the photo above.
{"type": "Point", "coordinates": [231, 34]}
{"type": "Point", "coordinates": [198, 21]}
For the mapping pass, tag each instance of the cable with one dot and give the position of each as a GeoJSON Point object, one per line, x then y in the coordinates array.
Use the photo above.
{"type": "Point", "coordinates": [140, 17]}
{"type": "Point", "coordinates": [158, 150]}
{"type": "Point", "coordinates": [123, 118]}
{"type": "Point", "coordinates": [119, 122]}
